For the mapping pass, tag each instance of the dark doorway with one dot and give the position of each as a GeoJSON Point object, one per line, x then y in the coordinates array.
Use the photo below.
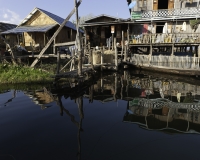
{"type": "Point", "coordinates": [159, 27]}
{"type": "Point", "coordinates": [162, 4]}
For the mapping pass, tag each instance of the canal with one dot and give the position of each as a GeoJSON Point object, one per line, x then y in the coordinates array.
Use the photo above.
{"type": "Point", "coordinates": [113, 116]}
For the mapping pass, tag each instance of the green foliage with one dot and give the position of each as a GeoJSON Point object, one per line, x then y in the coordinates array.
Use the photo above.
{"type": "Point", "coordinates": [194, 24]}
{"type": "Point", "coordinates": [22, 74]}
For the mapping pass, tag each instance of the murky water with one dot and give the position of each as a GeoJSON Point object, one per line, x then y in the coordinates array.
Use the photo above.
{"type": "Point", "coordinates": [111, 117]}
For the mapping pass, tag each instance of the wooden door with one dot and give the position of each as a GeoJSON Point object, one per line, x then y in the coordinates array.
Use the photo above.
{"type": "Point", "coordinates": [170, 4]}
{"type": "Point", "coordinates": [155, 4]}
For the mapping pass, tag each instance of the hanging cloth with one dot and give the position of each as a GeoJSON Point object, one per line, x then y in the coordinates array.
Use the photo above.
{"type": "Point", "coordinates": [145, 28]}
{"type": "Point", "coordinates": [179, 97]}
{"type": "Point", "coordinates": [165, 28]}
{"type": "Point", "coordinates": [183, 28]}
{"type": "Point", "coordinates": [169, 29]}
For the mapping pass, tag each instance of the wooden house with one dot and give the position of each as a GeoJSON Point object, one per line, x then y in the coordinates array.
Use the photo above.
{"type": "Point", "coordinates": [166, 34]}
{"type": "Point", "coordinates": [101, 30]}
{"type": "Point", "coordinates": [4, 27]}
{"type": "Point", "coordinates": [37, 28]}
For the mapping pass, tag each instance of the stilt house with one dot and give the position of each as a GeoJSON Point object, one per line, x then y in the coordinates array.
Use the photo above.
{"type": "Point", "coordinates": [37, 28]}
{"type": "Point", "coordinates": [101, 30]}
{"type": "Point", "coordinates": [167, 32]}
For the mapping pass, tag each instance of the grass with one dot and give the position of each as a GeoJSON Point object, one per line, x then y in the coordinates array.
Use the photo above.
{"type": "Point", "coordinates": [14, 74]}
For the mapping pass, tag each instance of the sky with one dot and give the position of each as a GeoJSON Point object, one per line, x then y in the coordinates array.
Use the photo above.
{"type": "Point", "coordinates": [14, 11]}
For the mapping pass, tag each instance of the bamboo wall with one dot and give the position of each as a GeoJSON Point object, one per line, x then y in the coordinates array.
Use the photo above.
{"type": "Point", "coordinates": [66, 35]}
{"type": "Point", "coordinates": [39, 18]}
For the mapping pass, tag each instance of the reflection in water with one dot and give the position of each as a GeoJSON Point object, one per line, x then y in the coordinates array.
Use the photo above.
{"type": "Point", "coordinates": [10, 100]}
{"type": "Point", "coordinates": [154, 103]}
{"type": "Point", "coordinates": [164, 115]}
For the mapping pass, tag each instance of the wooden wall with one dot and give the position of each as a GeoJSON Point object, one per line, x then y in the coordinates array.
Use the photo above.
{"type": "Point", "coordinates": [137, 29]}
{"type": "Point", "coordinates": [177, 4]}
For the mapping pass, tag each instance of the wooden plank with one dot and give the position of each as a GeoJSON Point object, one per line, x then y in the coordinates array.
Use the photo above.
{"type": "Point", "coordinates": [170, 4]}
{"type": "Point", "coordinates": [155, 5]}
{"type": "Point", "coordinates": [78, 42]}
{"type": "Point", "coordinates": [65, 44]}
{"type": "Point", "coordinates": [55, 34]}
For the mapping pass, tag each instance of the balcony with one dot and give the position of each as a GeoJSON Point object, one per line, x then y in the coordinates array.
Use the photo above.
{"type": "Point", "coordinates": [192, 12]}
{"type": "Point", "coordinates": [160, 38]}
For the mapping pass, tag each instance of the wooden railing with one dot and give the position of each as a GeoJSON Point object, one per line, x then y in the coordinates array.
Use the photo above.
{"type": "Point", "coordinates": [169, 13]}
{"type": "Point", "coordinates": [179, 62]}
{"type": "Point", "coordinates": [165, 38]}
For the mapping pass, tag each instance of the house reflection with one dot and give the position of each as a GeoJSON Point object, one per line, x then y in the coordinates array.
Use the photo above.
{"type": "Point", "coordinates": [184, 118]}
{"type": "Point", "coordinates": [154, 103]}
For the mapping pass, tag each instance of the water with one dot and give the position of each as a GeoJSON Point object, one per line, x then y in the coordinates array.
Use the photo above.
{"type": "Point", "coordinates": [108, 126]}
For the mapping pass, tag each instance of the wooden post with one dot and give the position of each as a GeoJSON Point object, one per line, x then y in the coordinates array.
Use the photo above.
{"type": "Point", "coordinates": [122, 87]}
{"type": "Point", "coordinates": [150, 53]}
{"type": "Point", "coordinates": [125, 53]}
{"type": "Point", "coordinates": [45, 40]}
{"type": "Point", "coordinates": [78, 41]}
{"type": "Point", "coordinates": [91, 58]}
{"type": "Point", "coordinates": [113, 41]}
{"type": "Point", "coordinates": [102, 54]}
{"type": "Point", "coordinates": [58, 62]}
{"type": "Point", "coordinates": [23, 39]}
{"type": "Point", "coordinates": [54, 47]}
{"type": "Point", "coordinates": [73, 61]}
{"type": "Point", "coordinates": [122, 43]}
{"type": "Point", "coordinates": [116, 55]}
{"type": "Point", "coordinates": [32, 49]}
{"type": "Point", "coordinates": [85, 43]}
{"type": "Point", "coordinates": [55, 34]}
{"type": "Point", "coordinates": [128, 39]}
{"type": "Point", "coordinates": [115, 87]}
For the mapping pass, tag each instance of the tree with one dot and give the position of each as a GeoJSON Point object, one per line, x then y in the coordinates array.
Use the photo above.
{"type": "Point", "coordinates": [82, 19]}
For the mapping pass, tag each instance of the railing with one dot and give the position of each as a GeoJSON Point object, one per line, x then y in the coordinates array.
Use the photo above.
{"type": "Point", "coordinates": [165, 38]}
{"type": "Point", "coordinates": [169, 13]}
{"type": "Point", "coordinates": [160, 102]}
{"type": "Point", "coordinates": [179, 62]}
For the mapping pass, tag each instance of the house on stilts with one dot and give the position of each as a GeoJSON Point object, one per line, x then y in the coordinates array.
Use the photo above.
{"type": "Point", "coordinates": [162, 35]}
{"type": "Point", "coordinates": [34, 32]}
{"type": "Point", "coordinates": [165, 35]}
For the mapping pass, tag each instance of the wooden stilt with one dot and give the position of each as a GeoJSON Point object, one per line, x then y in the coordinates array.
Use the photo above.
{"type": "Point", "coordinates": [113, 41]}
{"type": "Point", "coordinates": [125, 53]}
{"type": "Point", "coordinates": [58, 63]}
{"type": "Point", "coordinates": [116, 55]}
{"type": "Point", "coordinates": [91, 58]}
{"type": "Point", "coordinates": [122, 44]}
{"type": "Point", "coordinates": [55, 34]}
{"type": "Point", "coordinates": [102, 54]}
{"type": "Point", "coordinates": [78, 41]}
{"type": "Point", "coordinates": [115, 98]}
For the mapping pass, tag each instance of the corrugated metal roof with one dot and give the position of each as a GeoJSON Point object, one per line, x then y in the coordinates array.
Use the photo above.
{"type": "Point", "coordinates": [58, 19]}
{"type": "Point", "coordinates": [6, 26]}
{"type": "Point", "coordinates": [21, 29]}
{"type": "Point", "coordinates": [104, 15]}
